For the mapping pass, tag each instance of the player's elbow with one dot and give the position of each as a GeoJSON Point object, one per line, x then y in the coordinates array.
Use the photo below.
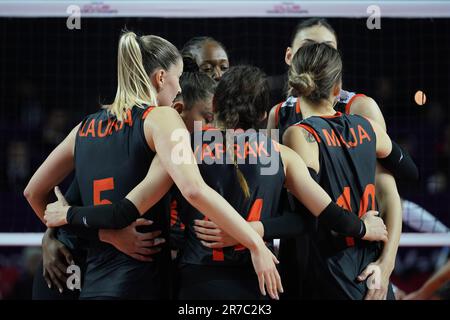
{"type": "Point", "coordinates": [368, 107]}
{"type": "Point", "coordinates": [193, 191]}
{"type": "Point", "coordinates": [28, 193]}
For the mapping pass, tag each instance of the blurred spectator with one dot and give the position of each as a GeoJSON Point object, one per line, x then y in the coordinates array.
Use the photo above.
{"type": "Point", "coordinates": [383, 89]}
{"type": "Point", "coordinates": [22, 289]}
{"type": "Point", "coordinates": [30, 107]}
{"type": "Point", "coordinates": [55, 130]}
{"type": "Point", "coordinates": [438, 181]}
{"type": "Point", "coordinates": [435, 116]}
{"type": "Point", "coordinates": [17, 165]}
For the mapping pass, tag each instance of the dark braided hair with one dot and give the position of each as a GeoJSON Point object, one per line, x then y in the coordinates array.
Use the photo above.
{"type": "Point", "coordinates": [242, 97]}
{"type": "Point", "coordinates": [240, 101]}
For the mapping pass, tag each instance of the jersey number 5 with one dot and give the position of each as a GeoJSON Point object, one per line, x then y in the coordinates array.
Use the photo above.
{"type": "Point", "coordinates": [102, 185]}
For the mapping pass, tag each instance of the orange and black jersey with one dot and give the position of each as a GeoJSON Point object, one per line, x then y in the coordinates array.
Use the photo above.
{"type": "Point", "coordinates": [177, 227]}
{"type": "Point", "coordinates": [289, 112]}
{"type": "Point", "coordinates": [258, 159]}
{"type": "Point", "coordinates": [347, 157]}
{"type": "Point", "coordinates": [111, 158]}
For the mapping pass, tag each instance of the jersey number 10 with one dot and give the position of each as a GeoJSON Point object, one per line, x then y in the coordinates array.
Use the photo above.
{"type": "Point", "coordinates": [345, 202]}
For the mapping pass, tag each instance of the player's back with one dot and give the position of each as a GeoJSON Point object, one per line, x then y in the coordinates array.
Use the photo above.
{"type": "Point", "coordinates": [258, 159]}
{"type": "Point", "coordinates": [347, 157]}
{"type": "Point", "coordinates": [111, 158]}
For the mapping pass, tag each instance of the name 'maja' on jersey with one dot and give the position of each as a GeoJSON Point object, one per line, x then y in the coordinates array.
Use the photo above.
{"type": "Point", "coordinates": [347, 157]}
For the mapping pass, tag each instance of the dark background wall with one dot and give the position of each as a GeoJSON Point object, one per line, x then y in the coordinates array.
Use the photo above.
{"type": "Point", "coordinates": [51, 76]}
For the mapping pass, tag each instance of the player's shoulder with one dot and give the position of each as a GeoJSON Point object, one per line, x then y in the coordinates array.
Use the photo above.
{"type": "Point", "coordinates": [160, 113]}
{"type": "Point", "coordinates": [354, 100]}
{"type": "Point", "coordinates": [368, 108]}
{"type": "Point", "coordinates": [302, 131]}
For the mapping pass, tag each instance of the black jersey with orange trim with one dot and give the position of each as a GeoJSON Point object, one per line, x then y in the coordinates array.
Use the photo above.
{"type": "Point", "coordinates": [177, 227]}
{"type": "Point", "coordinates": [347, 157]}
{"type": "Point", "coordinates": [289, 112]}
{"type": "Point", "coordinates": [258, 158]}
{"type": "Point", "coordinates": [111, 158]}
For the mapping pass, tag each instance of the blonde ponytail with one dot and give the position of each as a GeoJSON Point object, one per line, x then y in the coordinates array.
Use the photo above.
{"type": "Point", "coordinates": [137, 58]}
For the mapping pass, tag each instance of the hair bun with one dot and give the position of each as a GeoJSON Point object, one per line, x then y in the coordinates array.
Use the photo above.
{"type": "Point", "coordinates": [303, 83]}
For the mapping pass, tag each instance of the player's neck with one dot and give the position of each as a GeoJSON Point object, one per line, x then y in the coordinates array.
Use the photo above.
{"type": "Point", "coordinates": [324, 108]}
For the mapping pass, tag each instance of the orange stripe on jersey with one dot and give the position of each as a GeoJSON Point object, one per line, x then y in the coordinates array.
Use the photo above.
{"type": "Point", "coordinates": [255, 211]}
{"type": "Point", "coordinates": [254, 215]}
{"type": "Point", "coordinates": [174, 218]}
{"type": "Point", "coordinates": [297, 106]}
{"type": "Point", "coordinates": [349, 104]}
{"type": "Point", "coordinates": [218, 255]}
{"type": "Point", "coordinates": [344, 202]}
{"type": "Point", "coordinates": [310, 130]}
{"type": "Point", "coordinates": [146, 112]}
{"type": "Point", "coordinates": [277, 113]}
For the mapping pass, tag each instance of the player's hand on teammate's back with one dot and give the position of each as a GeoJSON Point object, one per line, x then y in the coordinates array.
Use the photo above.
{"type": "Point", "coordinates": [138, 245]}
{"type": "Point", "coordinates": [375, 227]}
{"type": "Point", "coordinates": [56, 212]}
{"type": "Point", "coordinates": [369, 274]}
{"type": "Point", "coordinates": [212, 236]}
{"type": "Point", "coordinates": [55, 259]}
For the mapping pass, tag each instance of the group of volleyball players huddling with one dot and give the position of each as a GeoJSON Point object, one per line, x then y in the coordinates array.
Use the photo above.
{"type": "Point", "coordinates": [182, 183]}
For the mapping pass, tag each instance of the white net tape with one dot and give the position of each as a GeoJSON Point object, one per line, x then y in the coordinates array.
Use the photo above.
{"type": "Point", "coordinates": [10, 239]}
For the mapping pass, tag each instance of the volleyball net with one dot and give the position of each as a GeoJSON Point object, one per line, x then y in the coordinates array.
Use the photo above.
{"type": "Point", "coordinates": [52, 75]}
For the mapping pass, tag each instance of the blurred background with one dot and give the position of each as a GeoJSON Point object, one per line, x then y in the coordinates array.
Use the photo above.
{"type": "Point", "coordinates": [50, 77]}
